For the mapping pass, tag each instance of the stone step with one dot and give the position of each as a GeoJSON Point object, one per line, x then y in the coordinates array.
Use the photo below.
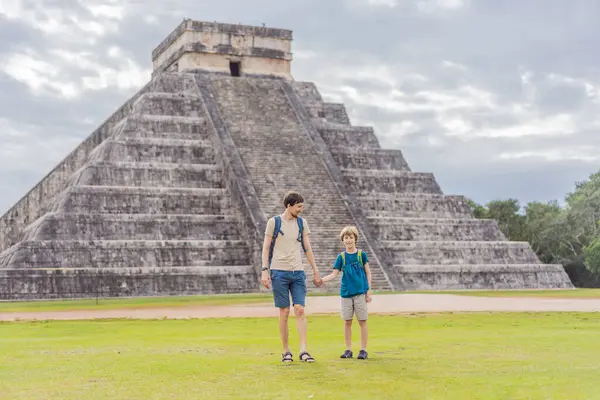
{"type": "Point", "coordinates": [483, 276]}
{"type": "Point", "coordinates": [171, 104]}
{"type": "Point", "coordinates": [439, 229]}
{"type": "Point", "coordinates": [336, 113]}
{"type": "Point", "coordinates": [156, 150]}
{"type": "Point", "coordinates": [369, 181]}
{"type": "Point", "coordinates": [145, 200]}
{"type": "Point", "coordinates": [455, 252]}
{"type": "Point", "coordinates": [307, 91]}
{"type": "Point", "coordinates": [340, 135]}
{"type": "Point", "coordinates": [369, 158]}
{"type": "Point", "coordinates": [93, 226]}
{"type": "Point", "coordinates": [33, 284]}
{"type": "Point", "coordinates": [151, 174]}
{"type": "Point", "coordinates": [160, 126]}
{"type": "Point", "coordinates": [176, 83]}
{"type": "Point", "coordinates": [423, 205]}
{"type": "Point", "coordinates": [125, 253]}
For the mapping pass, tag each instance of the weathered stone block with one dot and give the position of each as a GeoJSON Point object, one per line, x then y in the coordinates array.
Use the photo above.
{"type": "Point", "coordinates": [307, 91]}
{"type": "Point", "coordinates": [455, 252]}
{"type": "Point", "coordinates": [125, 254]}
{"type": "Point", "coordinates": [145, 200]}
{"type": "Point", "coordinates": [29, 284]}
{"type": "Point", "coordinates": [143, 150]}
{"type": "Point", "coordinates": [496, 276]}
{"type": "Point", "coordinates": [336, 113]}
{"type": "Point", "coordinates": [369, 159]}
{"type": "Point", "coordinates": [151, 175]}
{"type": "Point", "coordinates": [160, 126]}
{"type": "Point", "coordinates": [436, 229]}
{"type": "Point", "coordinates": [167, 104]}
{"type": "Point", "coordinates": [336, 135]}
{"type": "Point", "coordinates": [93, 226]}
{"type": "Point", "coordinates": [414, 205]}
{"type": "Point", "coordinates": [364, 182]}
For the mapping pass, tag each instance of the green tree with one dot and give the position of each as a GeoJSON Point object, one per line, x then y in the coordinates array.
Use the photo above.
{"type": "Point", "coordinates": [592, 256]}
{"type": "Point", "coordinates": [477, 210]}
{"type": "Point", "coordinates": [510, 221]}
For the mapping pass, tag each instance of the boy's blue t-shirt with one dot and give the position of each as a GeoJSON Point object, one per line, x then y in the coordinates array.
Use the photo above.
{"type": "Point", "coordinates": [354, 278]}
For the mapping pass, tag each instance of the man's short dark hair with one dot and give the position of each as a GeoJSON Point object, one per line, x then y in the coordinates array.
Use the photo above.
{"type": "Point", "coordinates": [292, 198]}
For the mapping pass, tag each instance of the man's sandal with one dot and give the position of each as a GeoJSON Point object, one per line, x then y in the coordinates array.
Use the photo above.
{"type": "Point", "coordinates": [287, 357]}
{"type": "Point", "coordinates": [305, 357]}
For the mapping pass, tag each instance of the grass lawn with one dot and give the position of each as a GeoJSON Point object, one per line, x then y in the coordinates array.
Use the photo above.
{"type": "Point", "coordinates": [421, 356]}
{"type": "Point", "coordinates": [254, 298]}
{"type": "Point", "coordinates": [134, 303]}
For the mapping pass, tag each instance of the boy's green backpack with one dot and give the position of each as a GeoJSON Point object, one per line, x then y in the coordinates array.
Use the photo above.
{"type": "Point", "coordinates": [359, 255]}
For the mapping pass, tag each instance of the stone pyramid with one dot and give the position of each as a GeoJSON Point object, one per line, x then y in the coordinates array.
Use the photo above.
{"type": "Point", "coordinates": [171, 194]}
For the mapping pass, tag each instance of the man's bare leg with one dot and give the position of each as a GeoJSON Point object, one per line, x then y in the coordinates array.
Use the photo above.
{"type": "Point", "coordinates": [284, 314]}
{"type": "Point", "coordinates": [348, 334]}
{"type": "Point", "coordinates": [302, 325]}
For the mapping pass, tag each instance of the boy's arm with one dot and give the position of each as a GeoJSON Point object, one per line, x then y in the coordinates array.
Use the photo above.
{"type": "Point", "coordinates": [368, 272]}
{"type": "Point", "coordinates": [332, 275]}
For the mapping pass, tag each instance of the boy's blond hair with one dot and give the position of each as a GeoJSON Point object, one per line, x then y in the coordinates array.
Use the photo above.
{"type": "Point", "coordinates": [349, 230]}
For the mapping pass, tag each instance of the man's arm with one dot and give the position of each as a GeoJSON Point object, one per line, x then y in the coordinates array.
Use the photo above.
{"type": "Point", "coordinates": [265, 277]}
{"type": "Point", "coordinates": [368, 272]}
{"type": "Point", "coordinates": [311, 258]}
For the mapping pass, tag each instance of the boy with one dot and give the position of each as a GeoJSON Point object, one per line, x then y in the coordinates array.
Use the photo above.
{"type": "Point", "coordinates": [355, 289]}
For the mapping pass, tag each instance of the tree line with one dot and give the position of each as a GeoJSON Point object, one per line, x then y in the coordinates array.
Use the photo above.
{"type": "Point", "coordinates": [567, 234]}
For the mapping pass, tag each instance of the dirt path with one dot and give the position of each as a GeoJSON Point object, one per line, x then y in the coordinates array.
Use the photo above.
{"type": "Point", "coordinates": [382, 304]}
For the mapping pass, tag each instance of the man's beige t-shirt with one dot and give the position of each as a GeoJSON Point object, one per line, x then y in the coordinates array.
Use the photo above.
{"type": "Point", "coordinates": [287, 254]}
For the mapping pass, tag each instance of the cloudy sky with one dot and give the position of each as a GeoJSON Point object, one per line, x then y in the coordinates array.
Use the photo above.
{"type": "Point", "coordinates": [498, 98]}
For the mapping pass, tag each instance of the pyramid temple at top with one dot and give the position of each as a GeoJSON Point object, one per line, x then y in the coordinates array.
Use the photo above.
{"type": "Point", "coordinates": [171, 194]}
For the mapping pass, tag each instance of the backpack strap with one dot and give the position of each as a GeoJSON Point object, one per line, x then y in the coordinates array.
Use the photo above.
{"type": "Point", "coordinates": [358, 255]}
{"type": "Point", "coordinates": [276, 231]}
{"type": "Point", "coordinates": [301, 233]}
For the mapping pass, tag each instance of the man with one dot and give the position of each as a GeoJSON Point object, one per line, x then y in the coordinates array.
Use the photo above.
{"type": "Point", "coordinates": [283, 269]}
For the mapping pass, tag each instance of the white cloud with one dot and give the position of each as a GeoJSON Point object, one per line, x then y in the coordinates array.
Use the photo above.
{"type": "Point", "coordinates": [426, 6]}
{"type": "Point", "coordinates": [49, 18]}
{"type": "Point", "coordinates": [591, 89]}
{"type": "Point", "coordinates": [552, 125]}
{"type": "Point", "coordinates": [579, 153]}
{"type": "Point", "coordinates": [439, 5]}
{"type": "Point", "coordinates": [69, 74]}
{"type": "Point", "coordinates": [384, 3]}
{"type": "Point", "coordinates": [454, 66]}
{"type": "Point", "coordinates": [40, 76]}
{"type": "Point", "coordinates": [22, 150]}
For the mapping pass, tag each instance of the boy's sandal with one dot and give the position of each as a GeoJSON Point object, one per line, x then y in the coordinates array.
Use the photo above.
{"type": "Point", "coordinates": [287, 357]}
{"type": "Point", "coordinates": [305, 357]}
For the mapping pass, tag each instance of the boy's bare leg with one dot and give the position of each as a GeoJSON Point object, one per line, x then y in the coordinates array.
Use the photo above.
{"type": "Point", "coordinates": [302, 325]}
{"type": "Point", "coordinates": [364, 333]}
{"type": "Point", "coordinates": [284, 313]}
{"type": "Point", "coordinates": [348, 334]}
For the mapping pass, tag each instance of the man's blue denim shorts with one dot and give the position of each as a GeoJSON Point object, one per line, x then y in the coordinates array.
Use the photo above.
{"type": "Point", "coordinates": [285, 283]}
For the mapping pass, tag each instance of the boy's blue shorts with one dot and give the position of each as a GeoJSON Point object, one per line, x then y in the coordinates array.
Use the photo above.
{"type": "Point", "coordinates": [285, 283]}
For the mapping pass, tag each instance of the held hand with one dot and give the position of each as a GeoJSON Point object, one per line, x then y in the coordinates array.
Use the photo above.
{"type": "Point", "coordinates": [265, 279]}
{"type": "Point", "coordinates": [369, 297]}
{"type": "Point", "coordinates": [317, 279]}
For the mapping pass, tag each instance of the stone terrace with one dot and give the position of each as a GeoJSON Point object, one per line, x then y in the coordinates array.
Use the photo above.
{"type": "Point", "coordinates": [141, 208]}
{"type": "Point", "coordinates": [426, 240]}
